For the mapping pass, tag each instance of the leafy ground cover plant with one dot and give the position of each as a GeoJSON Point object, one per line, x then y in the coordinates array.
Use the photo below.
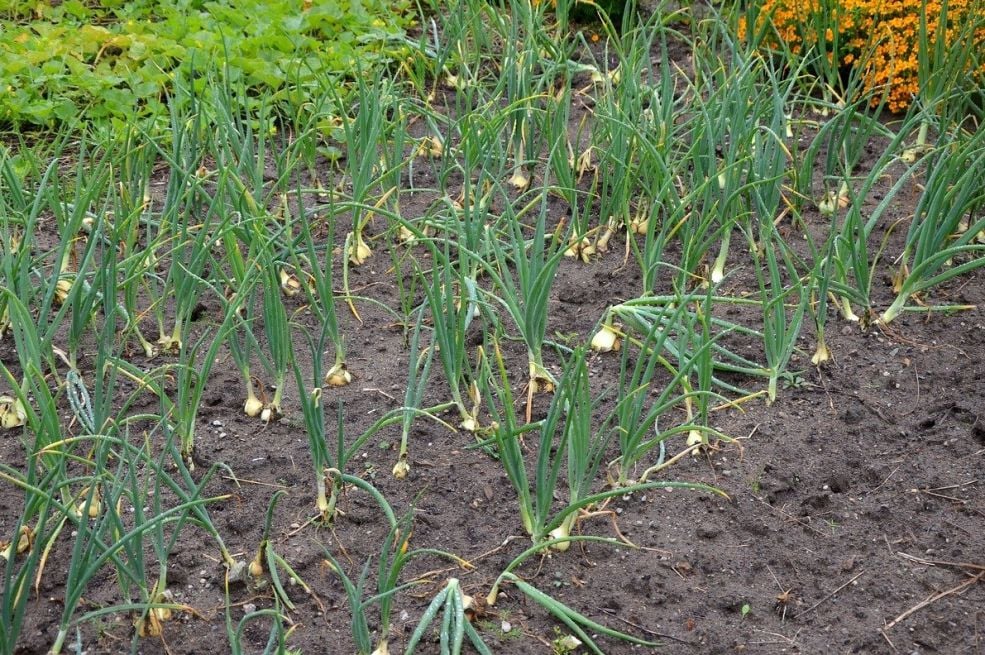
{"type": "Point", "coordinates": [117, 60]}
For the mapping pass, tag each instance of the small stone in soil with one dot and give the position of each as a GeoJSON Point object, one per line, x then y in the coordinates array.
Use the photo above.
{"type": "Point", "coordinates": [708, 531]}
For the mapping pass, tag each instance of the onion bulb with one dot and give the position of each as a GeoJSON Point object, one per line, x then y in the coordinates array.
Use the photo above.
{"type": "Point", "coordinates": [12, 414]}
{"type": "Point", "coordinates": [359, 252]}
{"type": "Point", "coordinates": [338, 376]}
{"type": "Point", "coordinates": [821, 355]}
{"type": "Point", "coordinates": [253, 406]}
{"type": "Point", "coordinates": [401, 469]}
{"type": "Point", "coordinates": [289, 284]}
{"type": "Point", "coordinates": [519, 181]}
{"type": "Point", "coordinates": [606, 339]}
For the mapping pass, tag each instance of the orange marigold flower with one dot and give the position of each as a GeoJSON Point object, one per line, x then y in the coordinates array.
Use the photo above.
{"type": "Point", "coordinates": [882, 37]}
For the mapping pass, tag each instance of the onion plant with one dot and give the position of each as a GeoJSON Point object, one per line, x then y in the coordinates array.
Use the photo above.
{"type": "Point", "coordinates": [101, 537]}
{"type": "Point", "coordinates": [661, 212]}
{"type": "Point", "coordinates": [44, 491]}
{"type": "Point", "coordinates": [105, 420]}
{"type": "Point", "coordinates": [454, 606]}
{"type": "Point", "coordinates": [453, 303]}
{"type": "Point", "coordinates": [246, 147]}
{"type": "Point", "coordinates": [781, 287]}
{"type": "Point", "coordinates": [14, 213]}
{"type": "Point", "coordinates": [524, 275]}
{"type": "Point", "coordinates": [648, 314]}
{"type": "Point", "coordinates": [622, 97]}
{"type": "Point", "coordinates": [393, 145]}
{"type": "Point", "coordinates": [261, 273]}
{"type": "Point", "coordinates": [241, 340]}
{"type": "Point", "coordinates": [701, 344]}
{"type": "Point", "coordinates": [730, 117]}
{"type": "Point", "coordinates": [946, 73]}
{"type": "Point", "coordinates": [418, 371]}
{"type": "Point", "coordinates": [146, 500]}
{"type": "Point", "coordinates": [120, 504]}
{"type": "Point", "coordinates": [784, 301]}
{"type": "Point", "coordinates": [364, 131]}
{"type": "Point", "coordinates": [781, 281]}
{"type": "Point", "coordinates": [465, 47]}
{"type": "Point", "coordinates": [20, 215]}
{"type": "Point", "coordinates": [585, 447]}
{"type": "Point", "coordinates": [855, 263]}
{"type": "Point", "coordinates": [565, 440]}
{"type": "Point", "coordinates": [331, 454]}
{"type": "Point", "coordinates": [278, 332]}
{"type": "Point", "coordinates": [481, 163]}
{"type": "Point", "coordinates": [944, 239]}
{"type": "Point", "coordinates": [566, 168]}
{"type": "Point", "coordinates": [579, 624]}
{"type": "Point", "coordinates": [22, 549]}
{"type": "Point", "coordinates": [76, 294]}
{"type": "Point", "coordinates": [316, 261]}
{"type": "Point", "coordinates": [269, 560]}
{"type": "Point", "coordinates": [41, 418]}
{"type": "Point", "coordinates": [85, 298]}
{"type": "Point", "coordinates": [191, 371]}
{"type": "Point", "coordinates": [846, 135]}
{"type": "Point", "coordinates": [178, 482]}
{"type": "Point", "coordinates": [180, 238]}
{"type": "Point", "coordinates": [56, 282]}
{"type": "Point", "coordinates": [819, 285]}
{"type": "Point", "coordinates": [248, 236]}
{"type": "Point", "coordinates": [723, 135]}
{"type": "Point", "coordinates": [327, 456]}
{"type": "Point", "coordinates": [519, 70]}
{"type": "Point", "coordinates": [535, 496]}
{"type": "Point", "coordinates": [659, 220]}
{"type": "Point", "coordinates": [130, 209]}
{"type": "Point", "coordinates": [641, 402]}
{"type": "Point", "coordinates": [145, 496]}
{"type": "Point", "coordinates": [395, 553]}
{"type": "Point", "coordinates": [818, 60]}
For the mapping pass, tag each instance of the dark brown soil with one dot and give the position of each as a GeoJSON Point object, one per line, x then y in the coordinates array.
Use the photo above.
{"type": "Point", "coordinates": [853, 500]}
{"type": "Point", "coordinates": [855, 518]}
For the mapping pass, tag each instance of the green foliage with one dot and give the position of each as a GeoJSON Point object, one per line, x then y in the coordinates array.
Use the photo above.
{"type": "Point", "coordinates": [115, 61]}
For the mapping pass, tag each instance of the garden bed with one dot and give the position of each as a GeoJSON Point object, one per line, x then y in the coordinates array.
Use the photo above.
{"type": "Point", "coordinates": [847, 515]}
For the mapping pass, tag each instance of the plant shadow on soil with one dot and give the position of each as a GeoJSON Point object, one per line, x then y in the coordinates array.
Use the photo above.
{"type": "Point", "coordinates": [852, 499]}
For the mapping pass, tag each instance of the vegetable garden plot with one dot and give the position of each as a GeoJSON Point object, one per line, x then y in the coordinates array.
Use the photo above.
{"type": "Point", "coordinates": [550, 340]}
